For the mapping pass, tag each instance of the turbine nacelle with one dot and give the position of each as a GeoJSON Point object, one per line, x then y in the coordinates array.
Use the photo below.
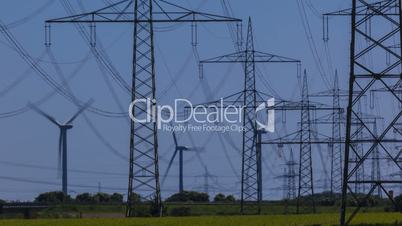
{"type": "Point", "coordinates": [66, 127]}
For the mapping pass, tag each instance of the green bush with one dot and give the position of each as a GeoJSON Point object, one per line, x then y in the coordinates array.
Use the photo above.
{"type": "Point", "coordinates": [189, 196]}
{"type": "Point", "coordinates": [102, 197]}
{"type": "Point", "coordinates": [116, 198]}
{"type": "Point", "coordinates": [99, 198]}
{"type": "Point", "coordinates": [84, 198]}
{"type": "Point", "coordinates": [55, 197]}
{"type": "Point", "coordinates": [222, 198]}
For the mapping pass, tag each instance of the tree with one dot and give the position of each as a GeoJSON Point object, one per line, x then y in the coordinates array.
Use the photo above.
{"type": "Point", "coordinates": [84, 198]}
{"type": "Point", "coordinates": [220, 198]}
{"type": "Point", "coordinates": [54, 197]}
{"type": "Point", "coordinates": [102, 197]}
{"type": "Point", "coordinates": [189, 196]}
{"type": "Point", "coordinates": [135, 198]}
{"type": "Point", "coordinates": [116, 198]}
{"type": "Point", "coordinates": [230, 198]}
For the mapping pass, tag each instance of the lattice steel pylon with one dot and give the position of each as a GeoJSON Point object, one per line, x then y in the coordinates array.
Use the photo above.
{"type": "Point", "coordinates": [336, 148]}
{"type": "Point", "coordinates": [143, 157]}
{"type": "Point", "coordinates": [335, 119]}
{"type": "Point", "coordinates": [289, 181]}
{"type": "Point", "coordinates": [306, 182]}
{"type": "Point", "coordinates": [290, 178]}
{"type": "Point", "coordinates": [249, 99]}
{"type": "Point", "coordinates": [250, 172]}
{"type": "Point", "coordinates": [375, 162]}
{"type": "Point", "coordinates": [379, 24]}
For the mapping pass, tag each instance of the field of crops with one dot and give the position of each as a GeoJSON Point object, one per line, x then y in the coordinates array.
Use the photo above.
{"type": "Point", "coordinates": [275, 220]}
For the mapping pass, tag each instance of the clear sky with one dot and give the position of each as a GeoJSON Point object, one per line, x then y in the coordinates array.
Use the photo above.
{"type": "Point", "coordinates": [30, 139]}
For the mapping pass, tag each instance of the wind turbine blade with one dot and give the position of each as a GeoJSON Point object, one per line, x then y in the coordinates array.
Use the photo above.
{"type": "Point", "coordinates": [39, 111]}
{"type": "Point", "coordinates": [82, 109]}
{"type": "Point", "coordinates": [60, 152]}
{"type": "Point", "coordinates": [175, 139]}
{"type": "Point", "coordinates": [169, 166]}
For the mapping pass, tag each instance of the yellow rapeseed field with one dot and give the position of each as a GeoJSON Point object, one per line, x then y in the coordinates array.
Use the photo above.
{"type": "Point", "coordinates": [273, 220]}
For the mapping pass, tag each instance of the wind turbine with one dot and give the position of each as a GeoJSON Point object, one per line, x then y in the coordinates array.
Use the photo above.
{"type": "Point", "coordinates": [64, 127]}
{"type": "Point", "coordinates": [179, 149]}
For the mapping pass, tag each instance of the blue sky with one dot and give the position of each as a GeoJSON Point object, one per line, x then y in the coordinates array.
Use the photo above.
{"type": "Point", "coordinates": [30, 139]}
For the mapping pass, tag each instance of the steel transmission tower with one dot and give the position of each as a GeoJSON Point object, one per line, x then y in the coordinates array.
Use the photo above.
{"type": "Point", "coordinates": [380, 25]}
{"type": "Point", "coordinates": [290, 178]}
{"type": "Point", "coordinates": [142, 14]}
{"type": "Point", "coordinates": [336, 120]}
{"type": "Point", "coordinates": [289, 181]}
{"type": "Point", "coordinates": [336, 148]}
{"type": "Point", "coordinates": [306, 182]}
{"type": "Point", "coordinates": [249, 57]}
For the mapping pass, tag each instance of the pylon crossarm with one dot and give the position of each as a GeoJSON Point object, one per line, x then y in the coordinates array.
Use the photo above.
{"type": "Point", "coordinates": [325, 119]}
{"type": "Point", "coordinates": [330, 93]}
{"type": "Point", "coordinates": [261, 57]}
{"type": "Point", "coordinates": [365, 10]}
{"type": "Point", "coordinates": [165, 12]}
{"type": "Point", "coordinates": [284, 105]}
{"type": "Point", "coordinates": [241, 57]}
{"type": "Point", "coordinates": [237, 57]}
{"type": "Point", "coordinates": [289, 140]}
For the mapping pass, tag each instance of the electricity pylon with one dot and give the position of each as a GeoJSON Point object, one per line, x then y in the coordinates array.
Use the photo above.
{"type": "Point", "coordinates": [379, 24]}
{"type": "Point", "coordinates": [249, 98]}
{"type": "Point", "coordinates": [306, 182]}
{"type": "Point", "coordinates": [291, 177]}
{"type": "Point", "coordinates": [142, 14]}
{"type": "Point", "coordinates": [336, 148]}
{"type": "Point", "coordinates": [305, 137]}
{"type": "Point", "coordinates": [336, 119]}
{"type": "Point", "coordinates": [289, 181]}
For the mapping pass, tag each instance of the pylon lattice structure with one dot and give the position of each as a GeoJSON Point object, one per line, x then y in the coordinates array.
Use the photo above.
{"type": "Point", "coordinates": [358, 126]}
{"type": "Point", "coordinates": [335, 119]}
{"type": "Point", "coordinates": [143, 158]}
{"type": "Point", "coordinates": [305, 137]}
{"type": "Point", "coordinates": [336, 148]}
{"type": "Point", "coordinates": [379, 24]}
{"type": "Point", "coordinates": [290, 177]}
{"type": "Point", "coordinates": [249, 99]}
{"type": "Point", "coordinates": [375, 162]}
{"type": "Point", "coordinates": [306, 182]}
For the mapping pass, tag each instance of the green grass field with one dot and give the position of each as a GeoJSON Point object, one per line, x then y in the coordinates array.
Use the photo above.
{"type": "Point", "coordinates": [272, 220]}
